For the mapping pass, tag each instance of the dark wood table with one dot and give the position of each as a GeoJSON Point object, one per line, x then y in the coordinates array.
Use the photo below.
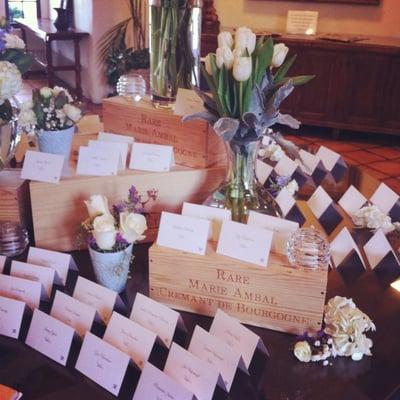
{"type": "Point", "coordinates": [45, 30]}
{"type": "Point", "coordinates": [283, 378]}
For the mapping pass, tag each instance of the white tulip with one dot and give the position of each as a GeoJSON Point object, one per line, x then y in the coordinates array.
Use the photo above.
{"type": "Point", "coordinates": [302, 351]}
{"type": "Point", "coordinates": [280, 52]}
{"type": "Point", "coordinates": [225, 39]}
{"type": "Point", "coordinates": [224, 56]}
{"type": "Point", "coordinates": [97, 204]}
{"type": "Point", "coordinates": [72, 112]}
{"type": "Point", "coordinates": [242, 68]}
{"type": "Point", "coordinates": [238, 52]}
{"type": "Point", "coordinates": [132, 226]}
{"type": "Point", "coordinates": [245, 38]}
{"type": "Point", "coordinates": [208, 64]}
{"type": "Point", "coordinates": [104, 231]}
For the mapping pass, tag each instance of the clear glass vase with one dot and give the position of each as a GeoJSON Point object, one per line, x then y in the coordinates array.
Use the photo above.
{"type": "Point", "coordinates": [13, 238]}
{"type": "Point", "coordinates": [242, 192]}
{"type": "Point", "coordinates": [175, 34]}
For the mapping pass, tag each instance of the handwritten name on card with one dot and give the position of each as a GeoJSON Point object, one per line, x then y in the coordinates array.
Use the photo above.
{"type": "Point", "coordinates": [21, 289]}
{"type": "Point", "coordinates": [50, 337]}
{"type": "Point", "coordinates": [73, 312]}
{"type": "Point", "coordinates": [102, 363]}
{"type": "Point", "coordinates": [11, 314]}
{"type": "Point", "coordinates": [244, 242]}
{"type": "Point", "coordinates": [183, 233]}
{"type": "Point", "coordinates": [156, 317]}
{"type": "Point", "coordinates": [97, 162]}
{"type": "Point", "coordinates": [97, 296]}
{"type": "Point", "coordinates": [42, 167]}
{"type": "Point", "coordinates": [151, 157]}
{"type": "Point", "coordinates": [117, 147]}
{"type": "Point", "coordinates": [131, 338]}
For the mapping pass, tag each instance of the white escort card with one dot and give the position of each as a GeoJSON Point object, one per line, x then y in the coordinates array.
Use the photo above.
{"type": "Point", "coordinates": [24, 290]}
{"type": "Point", "coordinates": [60, 262]}
{"type": "Point", "coordinates": [387, 201]}
{"type": "Point", "coordinates": [282, 229]}
{"type": "Point", "coordinates": [131, 338]}
{"type": "Point", "coordinates": [333, 162]}
{"type": "Point", "coordinates": [288, 167]}
{"type": "Point", "coordinates": [352, 200]}
{"type": "Point", "coordinates": [73, 312]}
{"type": "Point", "coordinates": [97, 162]}
{"type": "Point", "coordinates": [44, 275]}
{"type": "Point", "coordinates": [156, 317]}
{"type": "Point", "coordinates": [117, 147]}
{"type": "Point", "coordinates": [244, 242]}
{"type": "Point", "coordinates": [2, 263]}
{"type": "Point", "coordinates": [11, 315]}
{"type": "Point", "coordinates": [313, 166]}
{"type": "Point", "coordinates": [152, 157]}
{"type": "Point", "coordinates": [215, 215]}
{"type": "Point", "coordinates": [346, 256]}
{"type": "Point", "coordinates": [263, 171]}
{"type": "Point", "coordinates": [42, 167]}
{"type": "Point", "coordinates": [157, 385]}
{"type": "Point", "coordinates": [102, 363]}
{"type": "Point", "coordinates": [113, 137]}
{"type": "Point", "coordinates": [323, 208]}
{"type": "Point", "coordinates": [217, 354]}
{"type": "Point", "coordinates": [97, 296]}
{"type": "Point", "coordinates": [289, 208]}
{"type": "Point", "coordinates": [187, 102]}
{"type": "Point", "coordinates": [381, 257]}
{"type": "Point", "coordinates": [192, 373]}
{"type": "Point", "coordinates": [50, 337]}
{"type": "Point", "coordinates": [239, 338]}
{"type": "Point", "coordinates": [183, 233]}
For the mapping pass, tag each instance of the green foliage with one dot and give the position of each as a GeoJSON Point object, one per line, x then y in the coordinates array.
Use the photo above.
{"type": "Point", "coordinates": [18, 57]}
{"type": "Point", "coordinates": [37, 107]}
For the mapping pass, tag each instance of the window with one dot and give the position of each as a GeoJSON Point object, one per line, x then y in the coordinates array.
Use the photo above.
{"type": "Point", "coordinates": [22, 9]}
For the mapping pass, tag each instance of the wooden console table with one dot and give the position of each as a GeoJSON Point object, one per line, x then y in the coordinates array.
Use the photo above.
{"type": "Point", "coordinates": [45, 30]}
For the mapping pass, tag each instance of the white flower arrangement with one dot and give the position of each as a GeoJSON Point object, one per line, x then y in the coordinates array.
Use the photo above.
{"type": "Point", "coordinates": [373, 218]}
{"type": "Point", "coordinates": [272, 151]}
{"type": "Point", "coordinates": [13, 41]}
{"type": "Point", "coordinates": [10, 81]}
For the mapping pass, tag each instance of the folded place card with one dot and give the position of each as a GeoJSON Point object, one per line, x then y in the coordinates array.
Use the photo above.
{"type": "Point", "coordinates": [183, 233]}
{"type": "Point", "coordinates": [287, 167]}
{"type": "Point", "coordinates": [156, 317]}
{"type": "Point", "coordinates": [193, 373]}
{"type": "Point", "coordinates": [157, 385]}
{"type": "Point", "coordinates": [282, 229]}
{"type": "Point", "coordinates": [346, 256]}
{"type": "Point", "coordinates": [215, 215]}
{"type": "Point", "coordinates": [382, 258]}
{"type": "Point", "coordinates": [131, 338]}
{"type": "Point", "coordinates": [290, 209]}
{"type": "Point", "coordinates": [352, 200]}
{"type": "Point", "coordinates": [42, 167]}
{"type": "Point", "coordinates": [73, 312]}
{"type": "Point", "coordinates": [187, 102]}
{"type": "Point", "coordinates": [118, 147]}
{"type": "Point", "coordinates": [102, 363]}
{"type": "Point", "coordinates": [151, 157]}
{"type": "Point", "coordinates": [97, 162]}
{"type": "Point", "coordinates": [101, 298]}
{"type": "Point", "coordinates": [50, 337]}
{"type": "Point", "coordinates": [387, 201]}
{"type": "Point", "coordinates": [44, 275]}
{"type": "Point", "coordinates": [2, 263]}
{"type": "Point", "coordinates": [333, 162]}
{"type": "Point", "coordinates": [312, 165]}
{"type": "Point", "coordinates": [217, 354]}
{"type": "Point", "coordinates": [11, 315]}
{"type": "Point", "coordinates": [244, 242]}
{"type": "Point", "coordinates": [263, 171]}
{"type": "Point", "coordinates": [323, 208]}
{"type": "Point", "coordinates": [24, 290]}
{"type": "Point", "coordinates": [239, 338]}
{"type": "Point", "coordinates": [112, 137]}
{"type": "Point", "coordinates": [60, 262]}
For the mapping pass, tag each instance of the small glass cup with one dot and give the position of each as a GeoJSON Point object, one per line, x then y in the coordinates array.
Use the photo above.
{"type": "Point", "coordinates": [13, 238]}
{"type": "Point", "coordinates": [132, 87]}
{"type": "Point", "coordinates": [308, 249]}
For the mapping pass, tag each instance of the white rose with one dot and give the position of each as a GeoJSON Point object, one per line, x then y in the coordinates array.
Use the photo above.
{"type": "Point", "coordinates": [292, 187]}
{"type": "Point", "coordinates": [13, 42]}
{"type": "Point", "coordinates": [104, 231]}
{"type": "Point", "coordinates": [280, 52]}
{"type": "Point", "coordinates": [302, 351]}
{"type": "Point", "coordinates": [46, 92]}
{"type": "Point", "coordinates": [225, 39]}
{"type": "Point", "coordinates": [224, 56]}
{"type": "Point", "coordinates": [132, 226]}
{"type": "Point", "coordinates": [72, 112]}
{"type": "Point", "coordinates": [97, 204]}
{"type": "Point", "coordinates": [245, 38]}
{"type": "Point", "coordinates": [242, 68]}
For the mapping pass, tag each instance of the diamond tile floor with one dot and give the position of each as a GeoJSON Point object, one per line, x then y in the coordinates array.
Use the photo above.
{"type": "Point", "coordinates": [377, 154]}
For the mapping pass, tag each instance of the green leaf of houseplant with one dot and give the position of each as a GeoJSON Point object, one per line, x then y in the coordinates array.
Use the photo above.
{"type": "Point", "coordinates": [284, 68]}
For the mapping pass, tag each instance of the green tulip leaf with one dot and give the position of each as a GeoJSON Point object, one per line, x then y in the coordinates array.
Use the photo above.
{"type": "Point", "coordinates": [284, 68]}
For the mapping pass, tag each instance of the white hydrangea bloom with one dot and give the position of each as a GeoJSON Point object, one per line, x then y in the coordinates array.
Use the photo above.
{"type": "Point", "coordinates": [10, 81]}
{"type": "Point", "coordinates": [274, 152]}
{"type": "Point", "coordinates": [13, 42]}
{"type": "Point", "coordinates": [373, 218]}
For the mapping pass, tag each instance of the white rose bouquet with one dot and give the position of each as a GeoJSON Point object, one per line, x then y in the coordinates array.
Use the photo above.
{"type": "Point", "coordinates": [114, 230]}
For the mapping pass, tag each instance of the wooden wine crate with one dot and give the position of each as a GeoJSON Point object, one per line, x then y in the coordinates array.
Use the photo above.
{"type": "Point", "coordinates": [58, 210]}
{"type": "Point", "coordinates": [195, 143]}
{"type": "Point", "coordinates": [278, 297]}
